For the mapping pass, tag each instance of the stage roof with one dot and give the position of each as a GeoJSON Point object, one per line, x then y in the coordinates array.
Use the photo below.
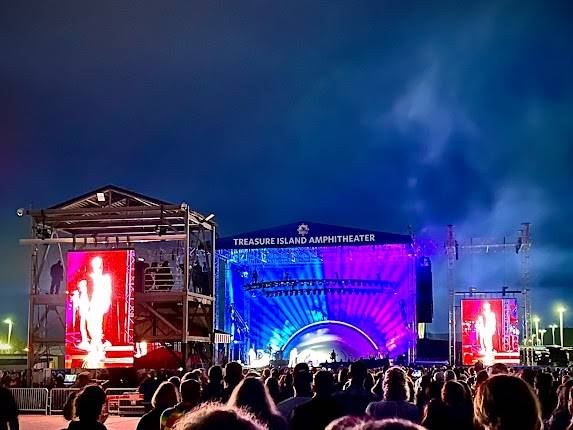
{"type": "Point", "coordinates": [114, 196]}
{"type": "Point", "coordinates": [114, 211]}
{"type": "Point", "coordinates": [308, 234]}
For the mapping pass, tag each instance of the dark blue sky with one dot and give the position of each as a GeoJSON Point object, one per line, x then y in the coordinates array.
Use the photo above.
{"type": "Point", "coordinates": [371, 114]}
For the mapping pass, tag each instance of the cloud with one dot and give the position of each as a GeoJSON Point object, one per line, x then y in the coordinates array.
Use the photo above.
{"type": "Point", "coordinates": [429, 111]}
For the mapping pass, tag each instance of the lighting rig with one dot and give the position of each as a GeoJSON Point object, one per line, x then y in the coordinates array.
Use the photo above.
{"type": "Point", "coordinates": [293, 287]}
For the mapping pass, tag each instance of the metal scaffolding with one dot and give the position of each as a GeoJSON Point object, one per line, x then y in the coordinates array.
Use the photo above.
{"type": "Point", "coordinates": [115, 218]}
{"type": "Point", "coordinates": [520, 246]}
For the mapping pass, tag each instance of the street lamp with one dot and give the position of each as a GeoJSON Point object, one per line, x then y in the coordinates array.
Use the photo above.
{"type": "Point", "coordinates": [553, 327]}
{"type": "Point", "coordinates": [561, 311]}
{"type": "Point", "coordinates": [542, 332]}
{"type": "Point", "coordinates": [536, 321]}
{"type": "Point", "coordinates": [9, 322]}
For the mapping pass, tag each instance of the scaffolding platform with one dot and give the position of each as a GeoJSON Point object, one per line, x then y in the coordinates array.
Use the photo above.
{"type": "Point", "coordinates": [112, 218]}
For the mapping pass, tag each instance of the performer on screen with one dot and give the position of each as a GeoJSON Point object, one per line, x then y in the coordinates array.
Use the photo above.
{"type": "Point", "coordinates": [486, 328]}
{"type": "Point", "coordinates": [81, 306]}
{"type": "Point", "coordinates": [479, 332]}
{"type": "Point", "coordinates": [99, 303]}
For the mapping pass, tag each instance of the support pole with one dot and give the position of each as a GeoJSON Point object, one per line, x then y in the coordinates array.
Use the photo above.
{"type": "Point", "coordinates": [185, 323]}
{"type": "Point", "coordinates": [451, 255]}
{"type": "Point", "coordinates": [31, 348]}
{"type": "Point", "coordinates": [523, 246]}
{"type": "Point", "coordinates": [213, 281]}
{"type": "Point", "coordinates": [526, 337]}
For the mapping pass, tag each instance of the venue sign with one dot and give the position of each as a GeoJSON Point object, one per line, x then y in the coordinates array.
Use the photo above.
{"type": "Point", "coordinates": [307, 234]}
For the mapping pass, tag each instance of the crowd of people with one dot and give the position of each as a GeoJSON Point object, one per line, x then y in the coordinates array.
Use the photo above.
{"type": "Point", "coordinates": [353, 398]}
{"type": "Point", "coordinates": [496, 398]}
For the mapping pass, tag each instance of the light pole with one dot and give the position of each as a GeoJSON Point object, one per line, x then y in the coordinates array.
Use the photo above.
{"type": "Point", "coordinates": [561, 311]}
{"type": "Point", "coordinates": [542, 332]}
{"type": "Point", "coordinates": [536, 320]}
{"type": "Point", "coordinates": [9, 322]}
{"type": "Point", "coordinates": [553, 327]}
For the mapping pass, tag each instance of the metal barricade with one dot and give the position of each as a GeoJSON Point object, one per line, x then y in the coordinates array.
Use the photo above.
{"type": "Point", "coordinates": [113, 396]}
{"type": "Point", "coordinates": [31, 399]}
{"type": "Point", "coordinates": [58, 397]}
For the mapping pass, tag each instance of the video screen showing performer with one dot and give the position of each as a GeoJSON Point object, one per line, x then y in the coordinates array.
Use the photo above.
{"type": "Point", "coordinates": [490, 331]}
{"type": "Point", "coordinates": [99, 309]}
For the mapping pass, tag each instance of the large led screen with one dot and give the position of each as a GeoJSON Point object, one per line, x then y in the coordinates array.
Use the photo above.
{"type": "Point", "coordinates": [490, 331]}
{"type": "Point", "coordinates": [355, 301]}
{"type": "Point", "coordinates": [99, 309]}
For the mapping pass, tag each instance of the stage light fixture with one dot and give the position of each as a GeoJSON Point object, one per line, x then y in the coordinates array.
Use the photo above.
{"type": "Point", "coordinates": [100, 197]}
{"type": "Point", "coordinates": [209, 217]}
{"type": "Point", "coordinates": [20, 212]}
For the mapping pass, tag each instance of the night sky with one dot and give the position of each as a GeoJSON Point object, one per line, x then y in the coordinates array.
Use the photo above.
{"type": "Point", "coordinates": [377, 114]}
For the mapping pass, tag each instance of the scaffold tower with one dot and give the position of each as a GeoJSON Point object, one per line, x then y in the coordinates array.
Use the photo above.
{"type": "Point", "coordinates": [180, 316]}
{"type": "Point", "coordinates": [455, 250]}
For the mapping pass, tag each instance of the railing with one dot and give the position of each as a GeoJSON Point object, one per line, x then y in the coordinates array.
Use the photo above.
{"type": "Point", "coordinates": [58, 397]}
{"type": "Point", "coordinates": [31, 399]}
{"type": "Point", "coordinates": [162, 279]}
{"type": "Point", "coordinates": [52, 402]}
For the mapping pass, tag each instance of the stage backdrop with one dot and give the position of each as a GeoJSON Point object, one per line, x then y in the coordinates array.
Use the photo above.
{"type": "Point", "coordinates": [99, 309]}
{"type": "Point", "coordinates": [304, 291]}
{"type": "Point", "coordinates": [490, 331]}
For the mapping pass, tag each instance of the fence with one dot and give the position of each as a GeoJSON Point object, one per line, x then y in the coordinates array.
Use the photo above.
{"type": "Point", "coordinates": [58, 397]}
{"type": "Point", "coordinates": [42, 400]}
{"type": "Point", "coordinates": [31, 399]}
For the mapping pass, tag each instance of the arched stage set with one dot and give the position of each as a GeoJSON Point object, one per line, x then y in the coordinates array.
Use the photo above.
{"type": "Point", "coordinates": [300, 291]}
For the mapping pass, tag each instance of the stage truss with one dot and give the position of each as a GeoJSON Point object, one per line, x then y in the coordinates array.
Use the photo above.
{"type": "Point", "coordinates": [115, 218]}
{"type": "Point", "coordinates": [456, 250]}
{"type": "Point", "coordinates": [320, 286]}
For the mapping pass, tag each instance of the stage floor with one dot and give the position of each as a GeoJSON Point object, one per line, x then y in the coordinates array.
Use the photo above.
{"type": "Point", "coordinates": [57, 422]}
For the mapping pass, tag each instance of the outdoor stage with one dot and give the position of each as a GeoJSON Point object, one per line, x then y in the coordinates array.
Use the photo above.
{"type": "Point", "coordinates": [301, 291]}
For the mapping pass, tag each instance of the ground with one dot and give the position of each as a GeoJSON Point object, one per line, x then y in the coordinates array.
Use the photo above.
{"type": "Point", "coordinates": [57, 422]}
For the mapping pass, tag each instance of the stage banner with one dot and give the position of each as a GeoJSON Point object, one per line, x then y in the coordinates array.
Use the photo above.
{"type": "Point", "coordinates": [490, 331]}
{"type": "Point", "coordinates": [310, 235]}
{"type": "Point", "coordinates": [99, 309]}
